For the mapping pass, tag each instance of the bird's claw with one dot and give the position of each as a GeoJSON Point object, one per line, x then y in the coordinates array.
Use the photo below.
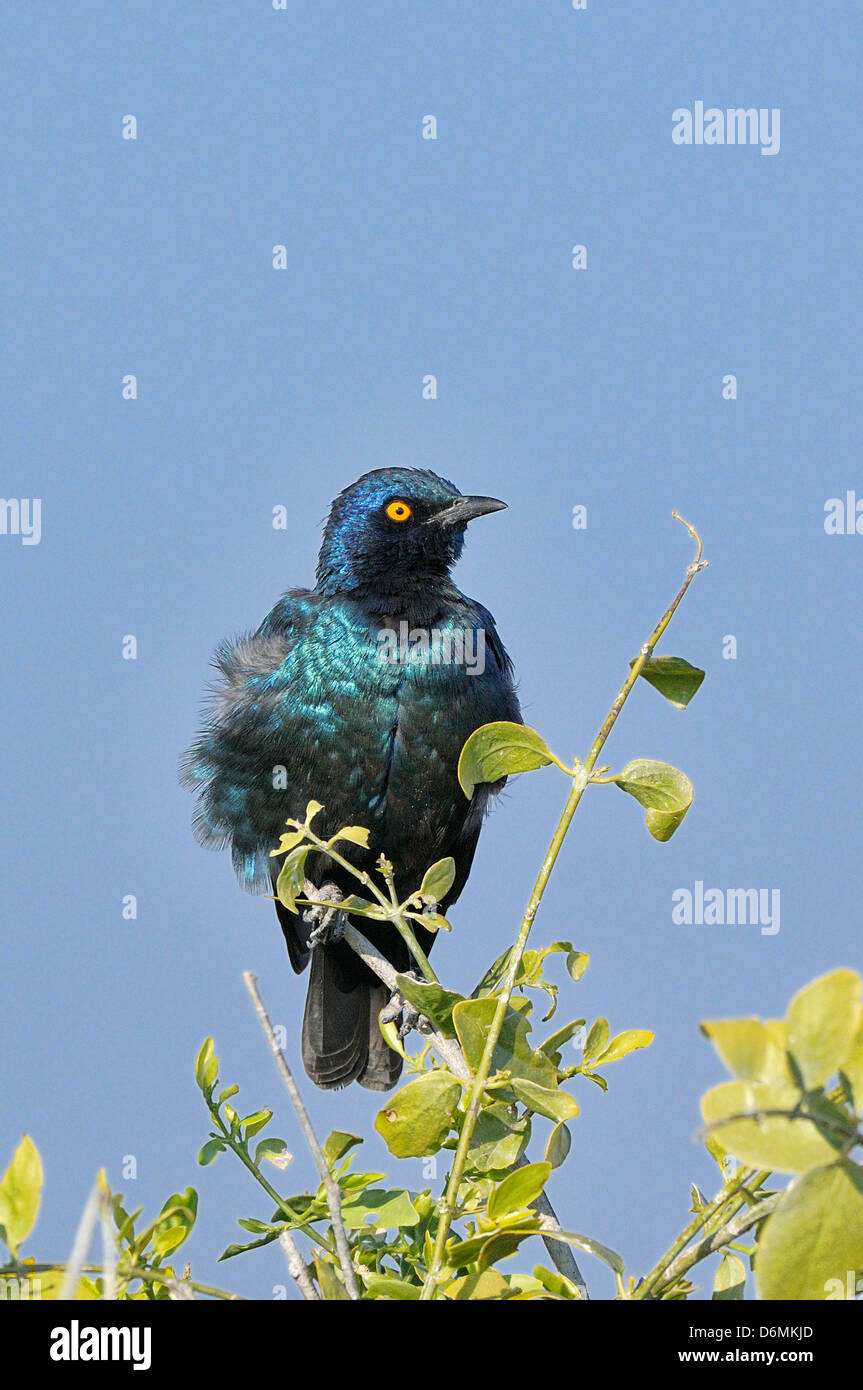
{"type": "Point", "coordinates": [327, 923]}
{"type": "Point", "coordinates": [411, 1018]}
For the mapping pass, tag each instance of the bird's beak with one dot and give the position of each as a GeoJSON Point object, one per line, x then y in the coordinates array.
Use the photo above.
{"type": "Point", "coordinates": [465, 509]}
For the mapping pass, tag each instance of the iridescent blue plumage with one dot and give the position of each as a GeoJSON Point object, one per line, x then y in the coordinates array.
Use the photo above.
{"type": "Point", "coordinates": [318, 704]}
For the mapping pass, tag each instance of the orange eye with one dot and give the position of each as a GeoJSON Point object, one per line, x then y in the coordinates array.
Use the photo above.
{"type": "Point", "coordinates": [398, 510]}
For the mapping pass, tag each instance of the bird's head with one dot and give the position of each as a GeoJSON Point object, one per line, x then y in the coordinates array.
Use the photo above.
{"type": "Point", "coordinates": [395, 527]}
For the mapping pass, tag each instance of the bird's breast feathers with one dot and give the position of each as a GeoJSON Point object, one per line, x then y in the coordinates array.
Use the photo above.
{"type": "Point", "coordinates": [365, 713]}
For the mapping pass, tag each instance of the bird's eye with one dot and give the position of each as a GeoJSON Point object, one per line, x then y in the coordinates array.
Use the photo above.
{"type": "Point", "coordinates": [398, 510]}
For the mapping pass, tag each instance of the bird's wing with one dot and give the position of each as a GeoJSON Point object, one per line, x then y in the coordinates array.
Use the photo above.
{"type": "Point", "coordinates": [237, 763]}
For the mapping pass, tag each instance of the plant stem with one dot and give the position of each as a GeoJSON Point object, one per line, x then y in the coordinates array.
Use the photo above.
{"type": "Point", "coordinates": [297, 1268]}
{"type": "Point", "coordinates": [278, 1201]}
{"type": "Point", "coordinates": [126, 1273]}
{"type": "Point", "coordinates": [580, 780]}
{"type": "Point", "coordinates": [448, 1051]}
{"type": "Point", "coordinates": [749, 1179]}
{"type": "Point", "coordinates": [723, 1236]}
{"type": "Point", "coordinates": [390, 906]}
{"type": "Point", "coordinates": [452, 1057]}
{"type": "Point", "coordinates": [330, 1185]}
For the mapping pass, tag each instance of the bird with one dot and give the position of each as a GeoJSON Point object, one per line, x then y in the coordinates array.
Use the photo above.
{"type": "Point", "coordinates": [320, 704]}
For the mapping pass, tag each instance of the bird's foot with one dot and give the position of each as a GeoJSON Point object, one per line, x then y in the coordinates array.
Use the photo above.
{"type": "Point", "coordinates": [411, 1018]}
{"type": "Point", "coordinates": [327, 923]}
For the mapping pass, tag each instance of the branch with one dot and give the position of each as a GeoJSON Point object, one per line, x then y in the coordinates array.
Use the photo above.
{"type": "Point", "coordinates": [748, 1180]}
{"type": "Point", "coordinates": [451, 1055]}
{"type": "Point", "coordinates": [449, 1052]}
{"type": "Point", "coordinates": [580, 779]}
{"type": "Point", "coordinates": [80, 1245]}
{"type": "Point", "coordinates": [297, 1268]}
{"type": "Point", "coordinates": [724, 1236]}
{"type": "Point", "coordinates": [330, 1186]}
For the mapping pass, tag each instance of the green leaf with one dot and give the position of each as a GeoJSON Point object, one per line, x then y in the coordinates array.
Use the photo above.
{"type": "Point", "coordinates": [749, 1049]}
{"type": "Point", "coordinates": [418, 1119]}
{"type": "Point", "coordinates": [487, 1285]}
{"type": "Point", "coordinates": [209, 1151]}
{"type": "Point", "coordinates": [227, 1093]}
{"type": "Point", "coordinates": [206, 1066]}
{"type": "Point", "coordinates": [518, 1190]}
{"type": "Point", "coordinates": [271, 1148]}
{"type": "Point", "coordinates": [493, 976]}
{"type": "Point", "coordinates": [386, 1210]}
{"type": "Point", "coordinates": [822, 1021]}
{"type": "Point", "coordinates": [596, 1039]}
{"type": "Point", "coordinates": [478, 1247]}
{"type": "Point", "coordinates": [253, 1123]}
{"type": "Point", "coordinates": [233, 1250]}
{"type": "Point", "coordinates": [167, 1240]}
{"type": "Point", "coordinates": [815, 1236]}
{"type": "Point", "coordinates": [432, 1000]}
{"type": "Point", "coordinates": [472, 1020]}
{"type": "Point", "coordinates": [438, 880]}
{"type": "Point", "coordinates": [597, 1080]}
{"type": "Point", "coordinates": [673, 677]}
{"type": "Point", "coordinates": [20, 1193]}
{"type": "Point", "coordinates": [628, 1041]}
{"type": "Point", "coordinates": [544, 1100]}
{"type": "Point", "coordinates": [434, 921]}
{"type": "Point", "coordinates": [590, 1247]}
{"type": "Point", "coordinates": [853, 1066]}
{"type": "Point", "coordinates": [558, 1146]}
{"type": "Point", "coordinates": [338, 1144]}
{"type": "Point", "coordinates": [181, 1208]}
{"type": "Point", "coordinates": [730, 1281]}
{"type": "Point", "coordinates": [331, 1286]}
{"type": "Point", "coordinates": [258, 1228]}
{"type": "Point", "coordinates": [501, 1244]}
{"type": "Point", "coordinates": [497, 750]}
{"type": "Point", "coordinates": [362, 906]}
{"type": "Point", "coordinates": [791, 1145]}
{"type": "Point", "coordinates": [665, 793]}
{"type": "Point", "coordinates": [289, 884]}
{"type": "Point", "coordinates": [576, 963]}
{"type": "Point", "coordinates": [552, 1047]}
{"type": "Point", "coordinates": [288, 841]}
{"type": "Point", "coordinates": [356, 1182]}
{"type": "Point", "coordinates": [388, 1286]}
{"type": "Point", "coordinates": [556, 1284]}
{"type": "Point", "coordinates": [500, 1137]}
{"type": "Point", "coordinates": [354, 834]}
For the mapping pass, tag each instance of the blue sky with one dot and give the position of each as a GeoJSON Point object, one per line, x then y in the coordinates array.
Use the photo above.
{"type": "Point", "coordinates": [556, 387]}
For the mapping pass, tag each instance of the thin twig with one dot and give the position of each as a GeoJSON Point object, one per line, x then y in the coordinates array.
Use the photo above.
{"type": "Point", "coordinates": [449, 1052]}
{"type": "Point", "coordinates": [109, 1248]}
{"type": "Point", "coordinates": [128, 1273]}
{"type": "Point", "coordinates": [297, 1267]}
{"type": "Point", "coordinates": [180, 1291]}
{"type": "Point", "coordinates": [329, 1183]}
{"type": "Point", "coordinates": [80, 1245]}
{"type": "Point", "coordinates": [747, 1180]}
{"type": "Point", "coordinates": [727, 1233]}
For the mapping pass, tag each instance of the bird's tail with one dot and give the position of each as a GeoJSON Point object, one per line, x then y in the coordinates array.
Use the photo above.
{"type": "Point", "coordinates": [341, 1038]}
